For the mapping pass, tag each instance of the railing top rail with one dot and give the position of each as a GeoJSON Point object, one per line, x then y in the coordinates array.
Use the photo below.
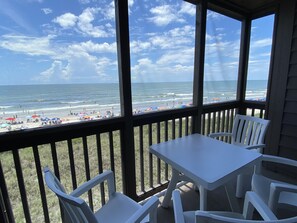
{"type": "Point", "coordinates": [37, 136]}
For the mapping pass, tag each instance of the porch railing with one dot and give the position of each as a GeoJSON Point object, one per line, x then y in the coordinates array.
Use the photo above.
{"type": "Point", "coordinates": [78, 152]}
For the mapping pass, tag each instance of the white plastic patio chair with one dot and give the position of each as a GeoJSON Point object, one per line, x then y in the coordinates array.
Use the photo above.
{"type": "Point", "coordinates": [252, 201]}
{"type": "Point", "coordinates": [248, 132]}
{"type": "Point", "coordinates": [276, 194]}
{"type": "Point", "coordinates": [118, 209]}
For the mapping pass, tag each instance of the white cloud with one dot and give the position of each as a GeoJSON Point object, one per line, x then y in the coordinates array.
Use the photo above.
{"type": "Point", "coordinates": [185, 56]}
{"type": "Point", "coordinates": [92, 47]}
{"type": "Point", "coordinates": [53, 72]}
{"type": "Point", "coordinates": [138, 46]}
{"type": "Point", "coordinates": [47, 11]}
{"type": "Point", "coordinates": [75, 62]}
{"type": "Point", "coordinates": [33, 46]}
{"type": "Point", "coordinates": [84, 1]}
{"type": "Point", "coordinates": [147, 71]}
{"type": "Point", "coordinates": [76, 67]}
{"type": "Point", "coordinates": [258, 69]}
{"type": "Point", "coordinates": [176, 39]}
{"type": "Point", "coordinates": [261, 43]}
{"type": "Point", "coordinates": [188, 8]}
{"type": "Point", "coordinates": [130, 3]}
{"type": "Point", "coordinates": [66, 20]}
{"type": "Point", "coordinates": [109, 11]}
{"type": "Point", "coordinates": [213, 15]}
{"type": "Point", "coordinates": [85, 23]}
{"type": "Point", "coordinates": [163, 15]}
{"type": "Point", "coordinates": [221, 71]}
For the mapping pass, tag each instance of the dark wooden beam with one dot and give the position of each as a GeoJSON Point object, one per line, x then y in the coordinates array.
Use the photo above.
{"type": "Point", "coordinates": [201, 14]}
{"type": "Point", "coordinates": [127, 134]}
{"type": "Point", "coordinates": [243, 62]}
{"type": "Point", "coordinates": [285, 19]}
{"type": "Point", "coordinates": [239, 11]}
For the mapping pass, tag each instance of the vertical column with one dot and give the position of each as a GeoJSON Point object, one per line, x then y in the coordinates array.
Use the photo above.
{"type": "Point", "coordinates": [201, 12]}
{"type": "Point", "coordinates": [243, 63]}
{"type": "Point", "coordinates": [127, 133]}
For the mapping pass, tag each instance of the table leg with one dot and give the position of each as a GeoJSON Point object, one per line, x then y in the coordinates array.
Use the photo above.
{"type": "Point", "coordinates": [170, 188]}
{"type": "Point", "coordinates": [230, 190]}
{"type": "Point", "coordinates": [203, 198]}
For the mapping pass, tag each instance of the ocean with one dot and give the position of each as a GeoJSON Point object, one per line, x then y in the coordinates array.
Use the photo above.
{"type": "Point", "coordinates": [61, 100]}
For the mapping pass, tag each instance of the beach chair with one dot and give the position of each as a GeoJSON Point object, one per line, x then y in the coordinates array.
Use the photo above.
{"type": "Point", "coordinates": [252, 201]}
{"type": "Point", "coordinates": [118, 209]}
{"type": "Point", "coordinates": [275, 193]}
{"type": "Point", "coordinates": [248, 132]}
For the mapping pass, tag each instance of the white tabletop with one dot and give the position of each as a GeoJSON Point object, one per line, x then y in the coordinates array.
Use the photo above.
{"type": "Point", "coordinates": [207, 161]}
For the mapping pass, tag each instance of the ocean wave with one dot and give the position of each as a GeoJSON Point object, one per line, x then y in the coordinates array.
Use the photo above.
{"type": "Point", "coordinates": [5, 107]}
{"type": "Point", "coordinates": [184, 95]}
{"type": "Point", "coordinates": [71, 102]}
{"type": "Point", "coordinates": [160, 101]}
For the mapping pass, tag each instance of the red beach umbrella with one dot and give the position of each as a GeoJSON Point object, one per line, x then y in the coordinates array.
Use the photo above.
{"type": "Point", "coordinates": [10, 119]}
{"type": "Point", "coordinates": [35, 116]}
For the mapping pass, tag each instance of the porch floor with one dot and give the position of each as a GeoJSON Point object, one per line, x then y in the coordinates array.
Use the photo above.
{"type": "Point", "coordinates": [217, 201]}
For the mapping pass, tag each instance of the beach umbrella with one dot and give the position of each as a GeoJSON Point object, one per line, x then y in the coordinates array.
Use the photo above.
{"type": "Point", "coordinates": [46, 119]}
{"type": "Point", "coordinates": [10, 119]}
{"type": "Point", "coordinates": [4, 125]}
{"type": "Point", "coordinates": [35, 116]}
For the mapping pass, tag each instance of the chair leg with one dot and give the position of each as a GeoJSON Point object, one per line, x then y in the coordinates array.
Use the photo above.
{"type": "Point", "coordinates": [203, 198]}
{"type": "Point", "coordinates": [230, 191]}
{"type": "Point", "coordinates": [170, 188]}
{"type": "Point", "coordinates": [239, 186]}
{"type": "Point", "coordinates": [243, 184]}
{"type": "Point", "coordinates": [153, 216]}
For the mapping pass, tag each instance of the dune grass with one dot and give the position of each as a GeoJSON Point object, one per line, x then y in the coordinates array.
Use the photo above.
{"type": "Point", "coordinates": [45, 154]}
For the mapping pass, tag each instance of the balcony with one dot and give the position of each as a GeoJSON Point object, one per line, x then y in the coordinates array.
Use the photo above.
{"type": "Point", "coordinates": [78, 151]}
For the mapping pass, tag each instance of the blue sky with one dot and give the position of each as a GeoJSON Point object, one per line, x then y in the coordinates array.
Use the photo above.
{"type": "Point", "coordinates": [59, 41]}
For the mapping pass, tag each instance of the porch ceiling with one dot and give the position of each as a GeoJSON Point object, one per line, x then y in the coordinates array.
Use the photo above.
{"type": "Point", "coordinates": [250, 5]}
{"type": "Point", "coordinates": [241, 7]}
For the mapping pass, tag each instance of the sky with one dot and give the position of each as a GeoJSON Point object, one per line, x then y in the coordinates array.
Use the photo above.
{"type": "Point", "coordinates": [74, 41]}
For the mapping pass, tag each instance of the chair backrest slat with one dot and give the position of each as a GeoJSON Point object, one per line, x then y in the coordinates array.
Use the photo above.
{"type": "Point", "coordinates": [75, 209]}
{"type": "Point", "coordinates": [249, 130]}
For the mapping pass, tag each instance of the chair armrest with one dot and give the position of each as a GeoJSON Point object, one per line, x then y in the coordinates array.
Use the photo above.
{"type": "Point", "coordinates": [177, 206]}
{"type": "Point", "coordinates": [253, 201]}
{"type": "Point", "coordinates": [106, 175]}
{"type": "Point", "coordinates": [276, 189]}
{"type": "Point", "coordinates": [150, 207]}
{"type": "Point", "coordinates": [254, 146]}
{"type": "Point", "coordinates": [218, 134]}
{"type": "Point", "coordinates": [278, 159]}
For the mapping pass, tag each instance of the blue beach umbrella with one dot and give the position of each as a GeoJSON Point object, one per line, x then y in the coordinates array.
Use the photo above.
{"type": "Point", "coordinates": [46, 119]}
{"type": "Point", "coordinates": [4, 125]}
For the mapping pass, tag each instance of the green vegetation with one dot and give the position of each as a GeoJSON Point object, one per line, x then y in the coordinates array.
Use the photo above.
{"type": "Point", "coordinates": [45, 154]}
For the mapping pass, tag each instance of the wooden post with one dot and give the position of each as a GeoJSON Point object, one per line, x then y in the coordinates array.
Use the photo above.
{"type": "Point", "coordinates": [243, 63]}
{"type": "Point", "coordinates": [201, 12]}
{"type": "Point", "coordinates": [127, 133]}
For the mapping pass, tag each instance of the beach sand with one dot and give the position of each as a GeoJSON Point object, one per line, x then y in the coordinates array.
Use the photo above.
{"type": "Point", "coordinates": [21, 121]}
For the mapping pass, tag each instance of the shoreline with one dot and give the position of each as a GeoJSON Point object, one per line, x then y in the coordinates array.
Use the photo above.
{"type": "Point", "coordinates": [28, 120]}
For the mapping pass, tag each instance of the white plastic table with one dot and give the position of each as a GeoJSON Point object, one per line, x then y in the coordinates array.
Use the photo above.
{"type": "Point", "coordinates": [208, 162]}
